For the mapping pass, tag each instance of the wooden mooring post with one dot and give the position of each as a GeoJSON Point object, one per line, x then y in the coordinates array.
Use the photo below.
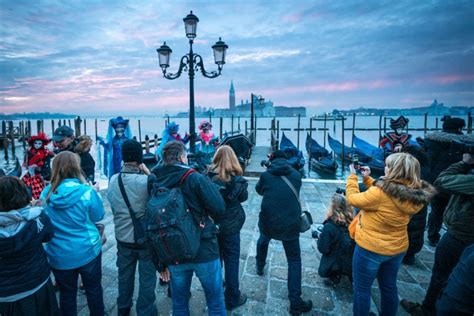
{"type": "Point", "coordinates": [5, 139]}
{"type": "Point", "coordinates": [246, 129]}
{"type": "Point", "coordinates": [232, 124]}
{"type": "Point", "coordinates": [77, 126]}
{"type": "Point", "coordinates": [12, 136]}
{"type": "Point", "coordinates": [342, 158]}
{"type": "Point", "coordinates": [95, 129]}
{"type": "Point", "coordinates": [425, 125]}
{"type": "Point", "coordinates": [353, 128]}
{"type": "Point", "coordinates": [325, 130]}
{"type": "Point", "coordinates": [85, 127]}
{"type": "Point", "coordinates": [238, 123]}
{"type": "Point", "coordinates": [139, 131]}
{"type": "Point", "coordinates": [380, 130]}
{"type": "Point", "coordinates": [469, 122]}
{"type": "Point", "coordinates": [298, 133]}
{"type": "Point", "coordinates": [255, 131]}
{"type": "Point", "coordinates": [52, 127]}
{"type": "Point", "coordinates": [221, 123]}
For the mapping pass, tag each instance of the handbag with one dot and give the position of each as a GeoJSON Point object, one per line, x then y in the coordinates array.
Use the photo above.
{"type": "Point", "coordinates": [305, 218]}
{"type": "Point", "coordinates": [353, 224]}
{"type": "Point", "coordinates": [138, 223]}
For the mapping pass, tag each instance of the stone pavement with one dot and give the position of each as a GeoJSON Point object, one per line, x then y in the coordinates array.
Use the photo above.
{"type": "Point", "coordinates": [268, 294]}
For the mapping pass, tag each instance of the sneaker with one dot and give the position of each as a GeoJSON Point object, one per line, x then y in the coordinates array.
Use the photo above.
{"type": "Point", "coordinates": [412, 308]}
{"type": "Point", "coordinates": [242, 301]}
{"type": "Point", "coordinates": [303, 308]}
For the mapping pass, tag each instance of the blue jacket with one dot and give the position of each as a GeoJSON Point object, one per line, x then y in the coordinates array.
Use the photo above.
{"type": "Point", "coordinates": [73, 210]}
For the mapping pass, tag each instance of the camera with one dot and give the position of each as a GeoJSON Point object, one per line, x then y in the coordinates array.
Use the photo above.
{"type": "Point", "coordinates": [355, 161]}
{"type": "Point", "coordinates": [265, 163]}
{"type": "Point", "coordinates": [459, 148]}
{"type": "Point", "coordinates": [316, 230]}
{"type": "Point", "coordinates": [341, 191]}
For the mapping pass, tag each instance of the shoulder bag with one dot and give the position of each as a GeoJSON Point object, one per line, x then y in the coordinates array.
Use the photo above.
{"type": "Point", "coordinates": [305, 218]}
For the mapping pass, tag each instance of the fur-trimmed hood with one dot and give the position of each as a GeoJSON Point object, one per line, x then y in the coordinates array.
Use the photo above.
{"type": "Point", "coordinates": [443, 137]}
{"type": "Point", "coordinates": [407, 199]}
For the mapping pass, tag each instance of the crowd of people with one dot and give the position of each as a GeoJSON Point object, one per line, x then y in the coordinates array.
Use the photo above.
{"type": "Point", "coordinates": [174, 222]}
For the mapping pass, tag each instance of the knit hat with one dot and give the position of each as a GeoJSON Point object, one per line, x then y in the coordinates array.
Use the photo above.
{"type": "Point", "coordinates": [132, 151]}
{"type": "Point", "coordinates": [453, 123]}
{"type": "Point", "coordinates": [277, 154]}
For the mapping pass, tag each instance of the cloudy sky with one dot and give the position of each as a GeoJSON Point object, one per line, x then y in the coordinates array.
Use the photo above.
{"type": "Point", "coordinates": [99, 57]}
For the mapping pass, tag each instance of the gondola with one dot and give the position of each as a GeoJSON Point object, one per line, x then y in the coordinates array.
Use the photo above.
{"type": "Point", "coordinates": [294, 155]}
{"type": "Point", "coordinates": [368, 149]}
{"type": "Point", "coordinates": [242, 147]}
{"type": "Point", "coordinates": [320, 158]}
{"type": "Point", "coordinates": [375, 165]}
{"type": "Point", "coordinates": [16, 172]}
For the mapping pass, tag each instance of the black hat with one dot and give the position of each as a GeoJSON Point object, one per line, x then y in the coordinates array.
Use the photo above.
{"type": "Point", "coordinates": [62, 132]}
{"type": "Point", "coordinates": [400, 122]}
{"type": "Point", "coordinates": [277, 154]}
{"type": "Point", "coordinates": [132, 151]}
{"type": "Point", "coordinates": [453, 123]}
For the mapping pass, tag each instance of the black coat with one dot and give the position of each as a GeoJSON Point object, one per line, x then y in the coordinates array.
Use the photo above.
{"type": "Point", "coordinates": [23, 261]}
{"type": "Point", "coordinates": [279, 217]}
{"type": "Point", "coordinates": [88, 166]}
{"type": "Point", "coordinates": [234, 192]}
{"type": "Point", "coordinates": [416, 231]}
{"type": "Point", "coordinates": [202, 197]}
{"type": "Point", "coordinates": [336, 248]}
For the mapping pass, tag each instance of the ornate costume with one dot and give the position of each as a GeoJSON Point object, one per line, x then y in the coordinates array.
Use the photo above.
{"type": "Point", "coordinates": [170, 133]}
{"type": "Point", "coordinates": [37, 160]}
{"type": "Point", "coordinates": [118, 132]}
{"type": "Point", "coordinates": [396, 140]}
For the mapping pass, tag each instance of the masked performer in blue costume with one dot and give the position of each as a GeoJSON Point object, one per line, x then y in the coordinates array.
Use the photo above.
{"type": "Point", "coordinates": [118, 132]}
{"type": "Point", "coordinates": [170, 133]}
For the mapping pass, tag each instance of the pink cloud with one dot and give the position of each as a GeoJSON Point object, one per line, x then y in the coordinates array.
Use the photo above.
{"type": "Point", "coordinates": [449, 79]}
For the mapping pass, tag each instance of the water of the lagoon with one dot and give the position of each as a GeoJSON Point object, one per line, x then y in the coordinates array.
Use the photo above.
{"type": "Point", "coordinates": [154, 125]}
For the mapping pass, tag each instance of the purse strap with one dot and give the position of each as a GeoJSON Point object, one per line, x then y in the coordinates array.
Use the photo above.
{"type": "Point", "coordinates": [292, 189]}
{"type": "Point", "coordinates": [125, 198]}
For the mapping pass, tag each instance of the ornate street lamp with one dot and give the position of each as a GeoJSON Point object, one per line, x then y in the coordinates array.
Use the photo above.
{"type": "Point", "coordinates": [192, 62]}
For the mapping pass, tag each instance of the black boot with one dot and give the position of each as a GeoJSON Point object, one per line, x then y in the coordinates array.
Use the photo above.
{"type": "Point", "coordinates": [303, 308]}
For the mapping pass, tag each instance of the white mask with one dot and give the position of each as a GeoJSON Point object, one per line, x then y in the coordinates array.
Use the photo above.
{"type": "Point", "coordinates": [37, 144]}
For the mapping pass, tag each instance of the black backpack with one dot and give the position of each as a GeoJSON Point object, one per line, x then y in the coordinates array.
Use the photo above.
{"type": "Point", "coordinates": [171, 230]}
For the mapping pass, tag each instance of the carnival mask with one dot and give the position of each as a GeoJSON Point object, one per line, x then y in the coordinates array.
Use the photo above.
{"type": "Point", "coordinates": [119, 130]}
{"type": "Point", "coordinates": [399, 131]}
{"type": "Point", "coordinates": [37, 144]}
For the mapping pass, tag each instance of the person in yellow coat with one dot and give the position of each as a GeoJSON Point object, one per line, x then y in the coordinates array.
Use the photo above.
{"type": "Point", "coordinates": [381, 232]}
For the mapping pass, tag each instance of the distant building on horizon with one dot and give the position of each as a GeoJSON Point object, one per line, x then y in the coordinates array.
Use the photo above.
{"type": "Point", "coordinates": [261, 108]}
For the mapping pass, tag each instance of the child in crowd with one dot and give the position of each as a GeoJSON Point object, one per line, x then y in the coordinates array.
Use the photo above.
{"type": "Point", "coordinates": [25, 285]}
{"type": "Point", "coordinates": [334, 242]}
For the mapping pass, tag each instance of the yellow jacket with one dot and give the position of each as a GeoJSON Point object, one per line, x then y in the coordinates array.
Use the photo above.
{"type": "Point", "coordinates": [386, 208]}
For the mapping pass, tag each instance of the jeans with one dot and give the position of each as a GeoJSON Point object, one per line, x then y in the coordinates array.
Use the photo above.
{"type": "Point", "coordinates": [229, 246]}
{"type": "Point", "coordinates": [210, 276]}
{"type": "Point", "coordinates": [127, 259]}
{"type": "Point", "coordinates": [366, 267]}
{"type": "Point", "coordinates": [91, 275]}
{"type": "Point", "coordinates": [447, 255]}
{"type": "Point", "coordinates": [293, 257]}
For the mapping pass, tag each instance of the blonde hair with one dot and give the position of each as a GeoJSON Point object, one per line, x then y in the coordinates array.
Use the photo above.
{"type": "Point", "coordinates": [66, 165]}
{"type": "Point", "coordinates": [340, 210]}
{"type": "Point", "coordinates": [84, 145]}
{"type": "Point", "coordinates": [225, 163]}
{"type": "Point", "coordinates": [403, 167]}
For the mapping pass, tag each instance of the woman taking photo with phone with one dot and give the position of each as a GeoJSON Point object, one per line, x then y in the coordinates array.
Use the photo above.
{"type": "Point", "coordinates": [381, 231]}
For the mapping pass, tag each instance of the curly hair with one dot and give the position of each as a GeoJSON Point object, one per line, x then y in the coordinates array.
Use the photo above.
{"type": "Point", "coordinates": [85, 143]}
{"type": "Point", "coordinates": [340, 211]}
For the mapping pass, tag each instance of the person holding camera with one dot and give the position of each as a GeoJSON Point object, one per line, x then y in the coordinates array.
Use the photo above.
{"type": "Point", "coordinates": [226, 172]}
{"type": "Point", "coordinates": [458, 180]}
{"type": "Point", "coordinates": [381, 229]}
{"type": "Point", "coordinates": [279, 219]}
{"type": "Point", "coordinates": [334, 242]}
{"type": "Point", "coordinates": [131, 183]}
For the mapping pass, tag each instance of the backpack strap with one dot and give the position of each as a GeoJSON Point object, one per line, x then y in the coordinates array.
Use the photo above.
{"type": "Point", "coordinates": [185, 176]}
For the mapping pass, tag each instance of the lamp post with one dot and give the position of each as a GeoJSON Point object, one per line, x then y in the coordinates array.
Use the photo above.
{"type": "Point", "coordinates": [192, 62]}
{"type": "Point", "coordinates": [252, 117]}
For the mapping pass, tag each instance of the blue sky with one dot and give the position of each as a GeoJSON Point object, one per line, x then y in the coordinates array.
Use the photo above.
{"type": "Point", "coordinates": [99, 57]}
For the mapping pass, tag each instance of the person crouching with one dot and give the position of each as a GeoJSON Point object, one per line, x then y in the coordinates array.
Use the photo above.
{"type": "Point", "coordinates": [334, 242]}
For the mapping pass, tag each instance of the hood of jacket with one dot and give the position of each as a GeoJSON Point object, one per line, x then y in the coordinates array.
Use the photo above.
{"type": "Point", "coordinates": [280, 167]}
{"type": "Point", "coordinates": [444, 137]}
{"type": "Point", "coordinates": [12, 222]}
{"type": "Point", "coordinates": [169, 176]}
{"type": "Point", "coordinates": [68, 193]}
{"type": "Point", "coordinates": [405, 198]}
